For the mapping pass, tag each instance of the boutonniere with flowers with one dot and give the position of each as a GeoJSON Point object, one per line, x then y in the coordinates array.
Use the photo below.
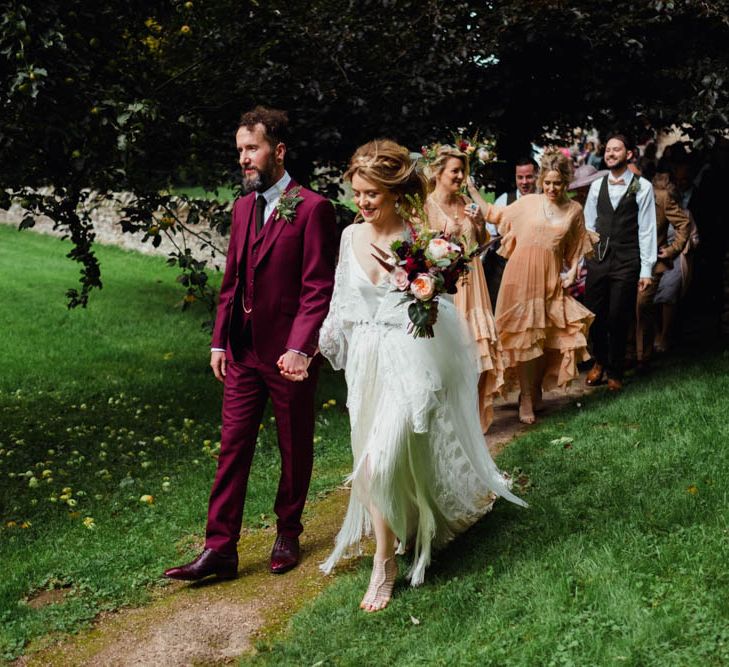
{"type": "Point", "coordinates": [287, 203]}
{"type": "Point", "coordinates": [634, 187]}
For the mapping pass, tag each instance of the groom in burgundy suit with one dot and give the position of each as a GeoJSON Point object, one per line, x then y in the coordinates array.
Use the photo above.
{"type": "Point", "coordinates": [279, 276]}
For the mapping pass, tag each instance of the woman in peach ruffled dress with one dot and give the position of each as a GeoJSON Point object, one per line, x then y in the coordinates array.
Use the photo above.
{"type": "Point", "coordinates": [447, 209]}
{"type": "Point", "coordinates": [543, 330]}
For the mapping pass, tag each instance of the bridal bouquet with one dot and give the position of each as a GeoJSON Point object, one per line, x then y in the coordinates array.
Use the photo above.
{"type": "Point", "coordinates": [424, 265]}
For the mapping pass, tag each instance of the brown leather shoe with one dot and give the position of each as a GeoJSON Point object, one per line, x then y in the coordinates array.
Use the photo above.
{"type": "Point", "coordinates": [614, 385]}
{"type": "Point", "coordinates": [285, 554]}
{"type": "Point", "coordinates": [594, 375]}
{"type": "Point", "coordinates": [209, 562]}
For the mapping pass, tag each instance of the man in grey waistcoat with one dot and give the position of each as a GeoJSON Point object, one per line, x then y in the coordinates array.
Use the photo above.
{"type": "Point", "coordinates": [621, 208]}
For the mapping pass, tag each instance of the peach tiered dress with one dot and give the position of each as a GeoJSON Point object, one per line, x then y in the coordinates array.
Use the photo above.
{"type": "Point", "coordinates": [535, 315]}
{"type": "Point", "coordinates": [473, 302]}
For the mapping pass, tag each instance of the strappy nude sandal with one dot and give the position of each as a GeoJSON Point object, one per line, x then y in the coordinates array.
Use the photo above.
{"type": "Point", "coordinates": [382, 581]}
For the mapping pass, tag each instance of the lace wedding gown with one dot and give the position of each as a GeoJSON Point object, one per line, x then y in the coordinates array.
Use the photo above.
{"type": "Point", "coordinates": [419, 454]}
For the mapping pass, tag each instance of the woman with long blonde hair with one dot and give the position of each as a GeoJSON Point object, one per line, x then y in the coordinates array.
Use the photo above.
{"type": "Point", "coordinates": [450, 211]}
{"type": "Point", "coordinates": [543, 330]}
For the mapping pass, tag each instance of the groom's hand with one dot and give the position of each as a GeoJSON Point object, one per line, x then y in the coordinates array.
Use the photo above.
{"type": "Point", "coordinates": [218, 363]}
{"type": "Point", "coordinates": [293, 366]}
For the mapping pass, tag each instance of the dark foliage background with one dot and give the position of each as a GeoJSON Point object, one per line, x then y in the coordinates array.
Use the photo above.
{"type": "Point", "coordinates": [143, 96]}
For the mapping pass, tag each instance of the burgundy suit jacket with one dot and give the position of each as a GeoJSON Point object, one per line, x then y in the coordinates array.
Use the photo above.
{"type": "Point", "coordinates": [293, 277]}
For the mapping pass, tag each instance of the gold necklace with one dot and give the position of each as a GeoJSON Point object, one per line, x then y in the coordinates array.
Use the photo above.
{"type": "Point", "coordinates": [549, 211]}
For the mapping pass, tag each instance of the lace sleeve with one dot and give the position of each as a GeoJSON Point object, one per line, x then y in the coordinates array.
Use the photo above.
{"type": "Point", "coordinates": [333, 335]}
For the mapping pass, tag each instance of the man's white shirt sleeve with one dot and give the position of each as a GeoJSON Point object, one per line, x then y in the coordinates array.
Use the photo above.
{"type": "Point", "coordinates": [500, 201]}
{"type": "Point", "coordinates": [590, 211]}
{"type": "Point", "coordinates": [647, 232]}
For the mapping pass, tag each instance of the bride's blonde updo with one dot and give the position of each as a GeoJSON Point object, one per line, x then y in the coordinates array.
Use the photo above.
{"type": "Point", "coordinates": [553, 159]}
{"type": "Point", "coordinates": [389, 166]}
{"type": "Point", "coordinates": [436, 166]}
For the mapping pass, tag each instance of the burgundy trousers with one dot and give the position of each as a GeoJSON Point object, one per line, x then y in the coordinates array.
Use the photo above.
{"type": "Point", "coordinates": [248, 385]}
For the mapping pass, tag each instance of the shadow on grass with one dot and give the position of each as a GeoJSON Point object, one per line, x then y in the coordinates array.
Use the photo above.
{"type": "Point", "coordinates": [616, 560]}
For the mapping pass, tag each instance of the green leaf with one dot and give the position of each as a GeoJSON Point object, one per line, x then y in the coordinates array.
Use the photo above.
{"type": "Point", "coordinates": [27, 222]}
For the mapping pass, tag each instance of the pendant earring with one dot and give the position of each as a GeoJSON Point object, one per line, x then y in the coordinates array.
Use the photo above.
{"type": "Point", "coordinates": [397, 206]}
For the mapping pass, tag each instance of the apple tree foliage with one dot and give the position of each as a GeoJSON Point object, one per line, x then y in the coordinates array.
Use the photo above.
{"type": "Point", "coordinates": [125, 96]}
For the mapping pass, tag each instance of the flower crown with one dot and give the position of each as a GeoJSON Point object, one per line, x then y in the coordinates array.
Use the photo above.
{"type": "Point", "coordinates": [366, 161]}
{"type": "Point", "coordinates": [483, 150]}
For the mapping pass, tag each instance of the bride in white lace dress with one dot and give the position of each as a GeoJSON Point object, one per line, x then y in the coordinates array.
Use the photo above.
{"type": "Point", "coordinates": [421, 472]}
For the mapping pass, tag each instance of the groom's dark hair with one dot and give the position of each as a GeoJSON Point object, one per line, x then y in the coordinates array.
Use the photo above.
{"type": "Point", "coordinates": [275, 122]}
{"type": "Point", "coordinates": [624, 138]}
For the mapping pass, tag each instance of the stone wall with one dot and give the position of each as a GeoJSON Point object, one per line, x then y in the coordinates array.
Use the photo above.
{"type": "Point", "coordinates": [106, 216]}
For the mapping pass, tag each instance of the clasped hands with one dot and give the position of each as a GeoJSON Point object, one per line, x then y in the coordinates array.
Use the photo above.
{"type": "Point", "coordinates": [292, 366]}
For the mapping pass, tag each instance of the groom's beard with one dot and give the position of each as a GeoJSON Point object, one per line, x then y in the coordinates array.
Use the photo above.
{"type": "Point", "coordinates": [261, 180]}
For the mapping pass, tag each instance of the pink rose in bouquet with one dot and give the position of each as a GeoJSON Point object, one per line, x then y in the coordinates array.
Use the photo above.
{"type": "Point", "coordinates": [423, 287]}
{"type": "Point", "coordinates": [399, 279]}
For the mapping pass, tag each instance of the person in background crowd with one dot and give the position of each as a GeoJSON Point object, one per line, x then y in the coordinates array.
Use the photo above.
{"type": "Point", "coordinates": [596, 159]}
{"type": "Point", "coordinates": [648, 161]}
{"type": "Point", "coordinates": [543, 330]}
{"type": "Point", "coordinates": [672, 229]}
{"type": "Point", "coordinates": [621, 208]}
{"type": "Point", "coordinates": [583, 178]}
{"type": "Point", "coordinates": [526, 172]}
{"type": "Point", "coordinates": [586, 156]}
{"type": "Point", "coordinates": [706, 287]}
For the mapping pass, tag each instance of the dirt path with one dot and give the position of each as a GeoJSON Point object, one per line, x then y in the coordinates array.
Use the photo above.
{"type": "Point", "coordinates": [214, 624]}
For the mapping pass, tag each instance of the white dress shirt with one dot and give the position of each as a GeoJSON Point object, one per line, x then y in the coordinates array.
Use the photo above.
{"type": "Point", "coordinates": [273, 194]}
{"type": "Point", "coordinates": [647, 233]}
{"type": "Point", "coordinates": [501, 200]}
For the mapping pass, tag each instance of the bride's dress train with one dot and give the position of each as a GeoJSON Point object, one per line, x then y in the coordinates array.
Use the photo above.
{"type": "Point", "coordinates": [419, 453]}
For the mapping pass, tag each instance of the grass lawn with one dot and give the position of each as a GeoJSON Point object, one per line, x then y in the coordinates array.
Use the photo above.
{"type": "Point", "coordinates": [622, 558]}
{"type": "Point", "coordinates": [99, 408]}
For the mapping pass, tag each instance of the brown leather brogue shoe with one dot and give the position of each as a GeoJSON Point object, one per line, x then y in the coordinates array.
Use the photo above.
{"type": "Point", "coordinates": [614, 385]}
{"type": "Point", "coordinates": [285, 554]}
{"type": "Point", "coordinates": [594, 375]}
{"type": "Point", "coordinates": [208, 563]}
